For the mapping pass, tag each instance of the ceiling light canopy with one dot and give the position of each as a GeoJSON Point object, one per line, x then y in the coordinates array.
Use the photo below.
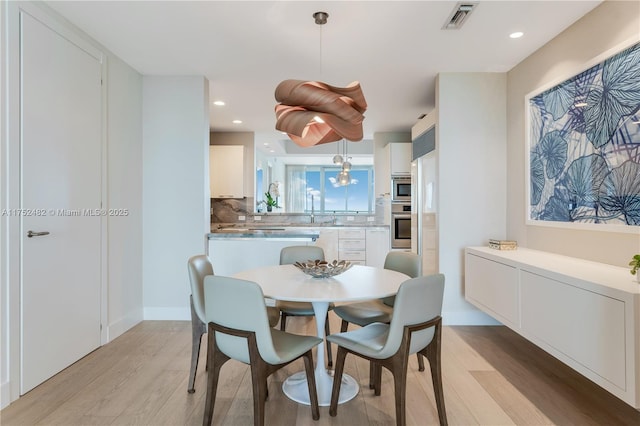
{"type": "Point", "coordinates": [313, 113]}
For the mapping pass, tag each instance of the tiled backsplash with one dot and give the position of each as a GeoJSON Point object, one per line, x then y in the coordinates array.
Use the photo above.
{"type": "Point", "coordinates": [228, 210]}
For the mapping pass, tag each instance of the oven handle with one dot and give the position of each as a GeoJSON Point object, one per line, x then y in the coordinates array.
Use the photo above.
{"type": "Point", "coordinates": [401, 216]}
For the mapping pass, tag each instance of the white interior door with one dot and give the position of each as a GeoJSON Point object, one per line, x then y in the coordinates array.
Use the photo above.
{"type": "Point", "coordinates": [61, 177]}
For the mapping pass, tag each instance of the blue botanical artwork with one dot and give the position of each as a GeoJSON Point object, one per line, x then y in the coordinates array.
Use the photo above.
{"type": "Point", "coordinates": [584, 159]}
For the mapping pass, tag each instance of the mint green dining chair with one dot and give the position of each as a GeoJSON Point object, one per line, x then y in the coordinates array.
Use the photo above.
{"type": "Point", "coordinates": [380, 310]}
{"type": "Point", "coordinates": [200, 266]}
{"type": "Point", "coordinates": [238, 328]}
{"type": "Point", "coordinates": [415, 327]}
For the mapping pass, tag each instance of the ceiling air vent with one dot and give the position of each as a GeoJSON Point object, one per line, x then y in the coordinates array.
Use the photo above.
{"type": "Point", "coordinates": [459, 15]}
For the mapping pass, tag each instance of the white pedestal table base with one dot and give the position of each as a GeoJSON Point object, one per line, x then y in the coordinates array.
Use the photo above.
{"type": "Point", "coordinates": [296, 388]}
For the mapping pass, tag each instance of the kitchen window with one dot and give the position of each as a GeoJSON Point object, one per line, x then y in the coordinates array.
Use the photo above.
{"type": "Point", "coordinates": [319, 182]}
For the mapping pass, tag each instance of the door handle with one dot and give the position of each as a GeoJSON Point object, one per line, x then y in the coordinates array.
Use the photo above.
{"type": "Point", "coordinates": [31, 234]}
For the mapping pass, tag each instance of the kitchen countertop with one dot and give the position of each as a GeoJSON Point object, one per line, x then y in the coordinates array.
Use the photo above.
{"type": "Point", "coordinates": [250, 231]}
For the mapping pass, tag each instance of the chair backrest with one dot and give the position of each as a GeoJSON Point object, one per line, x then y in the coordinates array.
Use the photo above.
{"type": "Point", "coordinates": [405, 262]}
{"type": "Point", "coordinates": [199, 267]}
{"type": "Point", "coordinates": [293, 254]}
{"type": "Point", "coordinates": [418, 300]}
{"type": "Point", "coordinates": [238, 304]}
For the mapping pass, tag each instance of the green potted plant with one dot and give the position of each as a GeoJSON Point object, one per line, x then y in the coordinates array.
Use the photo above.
{"type": "Point", "coordinates": [635, 266]}
{"type": "Point", "coordinates": [270, 202]}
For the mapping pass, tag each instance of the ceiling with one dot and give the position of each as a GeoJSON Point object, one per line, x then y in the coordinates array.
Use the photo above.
{"type": "Point", "coordinates": [394, 48]}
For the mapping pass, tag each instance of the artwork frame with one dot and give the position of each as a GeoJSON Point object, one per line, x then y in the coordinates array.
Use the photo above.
{"type": "Point", "coordinates": [582, 154]}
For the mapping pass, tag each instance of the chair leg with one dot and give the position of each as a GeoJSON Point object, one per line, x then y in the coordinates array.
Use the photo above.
{"type": "Point", "coordinates": [198, 328]}
{"type": "Point", "coordinates": [400, 388]}
{"type": "Point", "coordinates": [372, 372]}
{"type": "Point", "coordinates": [283, 321]}
{"type": "Point", "coordinates": [259, 381]}
{"type": "Point", "coordinates": [344, 325]}
{"type": "Point", "coordinates": [377, 378]}
{"type": "Point", "coordinates": [337, 381]}
{"type": "Point", "coordinates": [400, 364]}
{"type": "Point", "coordinates": [433, 354]}
{"type": "Point", "coordinates": [311, 383]}
{"type": "Point", "coordinates": [327, 332]}
{"type": "Point", "coordinates": [216, 359]}
{"type": "Point", "coordinates": [420, 362]}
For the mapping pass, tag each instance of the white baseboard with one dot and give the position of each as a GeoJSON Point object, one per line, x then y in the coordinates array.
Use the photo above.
{"type": "Point", "coordinates": [5, 400]}
{"type": "Point", "coordinates": [168, 314]}
{"type": "Point", "coordinates": [468, 318]}
{"type": "Point", "coordinates": [123, 324]}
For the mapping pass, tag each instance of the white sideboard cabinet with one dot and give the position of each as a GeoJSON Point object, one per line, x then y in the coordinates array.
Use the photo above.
{"type": "Point", "coordinates": [586, 314]}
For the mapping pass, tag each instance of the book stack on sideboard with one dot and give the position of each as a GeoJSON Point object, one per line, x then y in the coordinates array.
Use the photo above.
{"type": "Point", "coordinates": [503, 244]}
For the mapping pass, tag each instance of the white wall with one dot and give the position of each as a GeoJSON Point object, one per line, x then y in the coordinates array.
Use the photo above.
{"type": "Point", "coordinates": [606, 27]}
{"type": "Point", "coordinates": [175, 179]}
{"type": "Point", "coordinates": [471, 147]}
{"type": "Point", "coordinates": [4, 247]}
{"type": "Point", "coordinates": [123, 149]}
{"type": "Point", "coordinates": [124, 191]}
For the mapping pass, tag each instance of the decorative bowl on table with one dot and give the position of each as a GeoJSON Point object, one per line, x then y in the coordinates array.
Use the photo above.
{"type": "Point", "coordinates": [322, 268]}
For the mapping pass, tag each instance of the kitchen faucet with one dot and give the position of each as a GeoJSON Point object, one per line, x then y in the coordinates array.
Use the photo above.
{"type": "Point", "coordinates": [313, 216]}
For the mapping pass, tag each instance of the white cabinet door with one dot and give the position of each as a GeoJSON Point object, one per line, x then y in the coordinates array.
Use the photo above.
{"type": "Point", "coordinates": [226, 171]}
{"type": "Point", "coordinates": [60, 170]}
{"type": "Point", "coordinates": [400, 158]}
{"type": "Point", "coordinates": [378, 245]}
{"type": "Point", "coordinates": [328, 240]}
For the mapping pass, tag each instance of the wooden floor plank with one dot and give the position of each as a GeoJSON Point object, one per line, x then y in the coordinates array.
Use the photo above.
{"type": "Point", "coordinates": [559, 392]}
{"type": "Point", "coordinates": [491, 376]}
{"type": "Point", "coordinates": [514, 404]}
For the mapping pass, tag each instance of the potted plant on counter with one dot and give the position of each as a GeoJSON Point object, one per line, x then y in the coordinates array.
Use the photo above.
{"type": "Point", "coordinates": [635, 266]}
{"type": "Point", "coordinates": [270, 202]}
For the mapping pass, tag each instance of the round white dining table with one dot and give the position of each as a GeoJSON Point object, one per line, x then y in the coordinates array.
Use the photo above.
{"type": "Point", "coordinates": [288, 283]}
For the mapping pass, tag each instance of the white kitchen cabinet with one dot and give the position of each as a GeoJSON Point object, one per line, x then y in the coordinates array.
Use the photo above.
{"type": "Point", "coordinates": [584, 313]}
{"type": "Point", "coordinates": [400, 158]}
{"type": "Point", "coordinates": [328, 241]}
{"type": "Point", "coordinates": [352, 245]}
{"type": "Point", "coordinates": [226, 171]}
{"type": "Point", "coordinates": [377, 246]}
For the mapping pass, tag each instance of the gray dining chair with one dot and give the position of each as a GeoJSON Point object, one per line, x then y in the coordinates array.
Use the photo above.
{"type": "Point", "coordinates": [238, 328]}
{"type": "Point", "coordinates": [380, 310]}
{"type": "Point", "coordinates": [200, 266]}
{"type": "Point", "coordinates": [290, 255]}
{"type": "Point", "coordinates": [415, 327]}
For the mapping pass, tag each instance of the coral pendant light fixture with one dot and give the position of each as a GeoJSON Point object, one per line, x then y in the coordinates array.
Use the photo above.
{"type": "Point", "coordinates": [313, 113]}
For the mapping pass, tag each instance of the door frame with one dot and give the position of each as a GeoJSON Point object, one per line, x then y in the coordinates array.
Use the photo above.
{"type": "Point", "coordinates": [10, 181]}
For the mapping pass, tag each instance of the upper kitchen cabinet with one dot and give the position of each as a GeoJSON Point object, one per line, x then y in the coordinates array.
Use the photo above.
{"type": "Point", "coordinates": [400, 158]}
{"type": "Point", "coordinates": [226, 171]}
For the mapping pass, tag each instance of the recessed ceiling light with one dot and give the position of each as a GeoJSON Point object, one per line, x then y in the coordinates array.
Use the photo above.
{"type": "Point", "coordinates": [517, 34]}
{"type": "Point", "coordinates": [266, 144]}
{"type": "Point", "coordinates": [218, 103]}
{"type": "Point", "coordinates": [237, 121]}
{"type": "Point", "coordinates": [272, 150]}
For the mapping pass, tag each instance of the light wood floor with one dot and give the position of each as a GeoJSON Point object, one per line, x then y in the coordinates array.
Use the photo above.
{"type": "Point", "coordinates": [491, 377]}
